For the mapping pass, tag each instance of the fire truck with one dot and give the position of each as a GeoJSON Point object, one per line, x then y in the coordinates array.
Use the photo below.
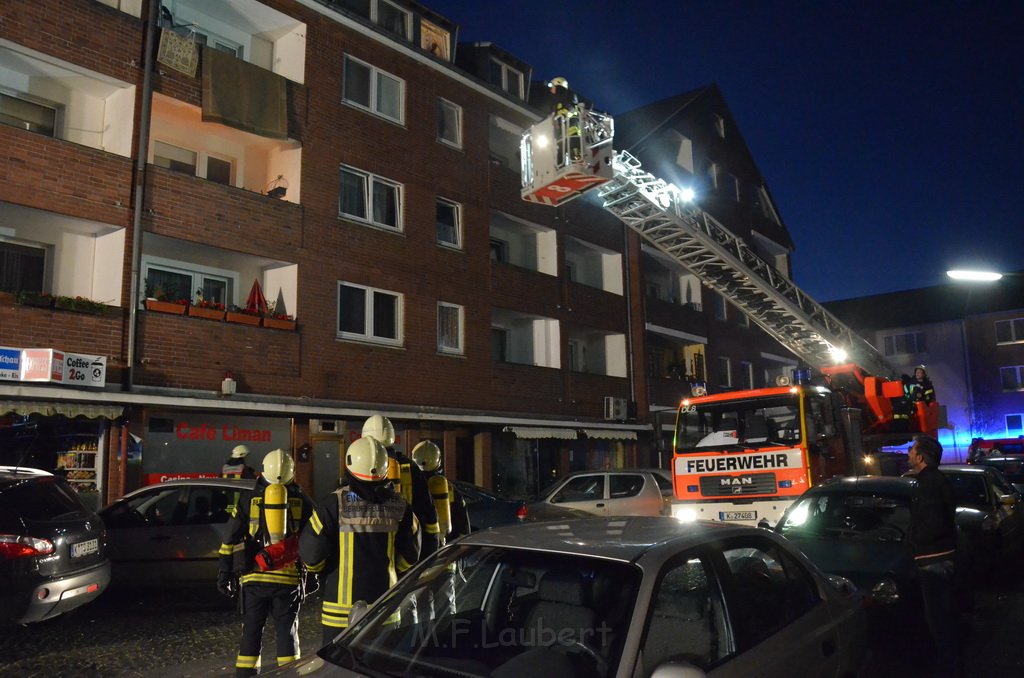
{"type": "Point", "coordinates": [742, 455]}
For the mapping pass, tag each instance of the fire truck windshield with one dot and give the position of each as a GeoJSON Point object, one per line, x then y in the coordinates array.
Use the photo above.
{"type": "Point", "coordinates": [739, 424]}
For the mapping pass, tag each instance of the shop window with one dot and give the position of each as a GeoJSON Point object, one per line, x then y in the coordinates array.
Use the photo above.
{"type": "Point", "coordinates": [369, 198]}
{"type": "Point", "coordinates": [449, 327]}
{"type": "Point", "coordinates": [449, 123]}
{"type": "Point", "coordinates": [449, 225]}
{"type": "Point", "coordinates": [22, 267]}
{"type": "Point", "coordinates": [29, 113]}
{"type": "Point", "coordinates": [369, 314]}
{"type": "Point", "coordinates": [373, 90]}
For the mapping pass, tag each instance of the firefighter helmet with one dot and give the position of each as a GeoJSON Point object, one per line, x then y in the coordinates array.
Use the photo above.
{"type": "Point", "coordinates": [558, 82]}
{"type": "Point", "coordinates": [366, 459]}
{"type": "Point", "coordinates": [380, 427]}
{"type": "Point", "coordinates": [239, 452]}
{"type": "Point", "coordinates": [427, 456]}
{"type": "Point", "coordinates": [278, 467]}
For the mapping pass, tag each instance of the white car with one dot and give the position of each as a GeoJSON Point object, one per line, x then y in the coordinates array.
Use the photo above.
{"type": "Point", "coordinates": [619, 492]}
{"type": "Point", "coordinates": [641, 596]}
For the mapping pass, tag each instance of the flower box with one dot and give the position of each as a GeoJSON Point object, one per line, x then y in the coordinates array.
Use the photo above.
{"type": "Point", "coordinates": [81, 305]}
{"type": "Point", "coordinates": [243, 318]}
{"type": "Point", "coordinates": [208, 313]}
{"type": "Point", "coordinates": [278, 323]}
{"type": "Point", "coordinates": [165, 307]}
{"type": "Point", "coordinates": [39, 300]}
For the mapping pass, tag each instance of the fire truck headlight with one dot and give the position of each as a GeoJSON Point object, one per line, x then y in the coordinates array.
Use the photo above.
{"type": "Point", "coordinates": [684, 514]}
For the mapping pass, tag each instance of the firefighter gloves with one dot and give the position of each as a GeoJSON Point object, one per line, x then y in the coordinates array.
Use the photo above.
{"type": "Point", "coordinates": [227, 584]}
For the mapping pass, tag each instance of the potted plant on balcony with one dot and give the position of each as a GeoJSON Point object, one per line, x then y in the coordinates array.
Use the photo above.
{"type": "Point", "coordinates": [243, 315]}
{"type": "Point", "coordinates": [38, 299]}
{"type": "Point", "coordinates": [206, 308]}
{"type": "Point", "coordinates": [164, 301]}
{"type": "Point", "coordinates": [279, 321]}
{"type": "Point", "coordinates": [81, 304]}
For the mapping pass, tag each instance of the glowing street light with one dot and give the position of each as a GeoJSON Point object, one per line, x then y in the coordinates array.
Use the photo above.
{"type": "Point", "coordinates": [974, 276]}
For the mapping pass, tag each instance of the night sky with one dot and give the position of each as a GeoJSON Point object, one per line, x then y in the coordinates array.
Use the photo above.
{"type": "Point", "coordinates": [890, 133]}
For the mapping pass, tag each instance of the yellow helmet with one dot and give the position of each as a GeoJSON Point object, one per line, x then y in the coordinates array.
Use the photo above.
{"type": "Point", "coordinates": [558, 82]}
{"type": "Point", "coordinates": [366, 459]}
{"type": "Point", "coordinates": [239, 452]}
{"type": "Point", "coordinates": [427, 456]}
{"type": "Point", "coordinates": [380, 427]}
{"type": "Point", "coordinates": [278, 467]}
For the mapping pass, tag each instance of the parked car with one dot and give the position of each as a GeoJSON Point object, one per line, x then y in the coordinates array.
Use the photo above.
{"type": "Point", "coordinates": [170, 532]}
{"type": "Point", "coordinates": [53, 550]}
{"type": "Point", "coordinates": [857, 527]}
{"type": "Point", "coordinates": [998, 447]}
{"type": "Point", "coordinates": [621, 492]}
{"type": "Point", "coordinates": [1011, 466]}
{"type": "Point", "coordinates": [487, 509]}
{"type": "Point", "coordinates": [990, 510]}
{"type": "Point", "coordinates": [604, 597]}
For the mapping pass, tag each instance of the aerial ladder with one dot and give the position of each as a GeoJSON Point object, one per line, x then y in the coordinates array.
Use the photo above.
{"type": "Point", "coordinates": [659, 212]}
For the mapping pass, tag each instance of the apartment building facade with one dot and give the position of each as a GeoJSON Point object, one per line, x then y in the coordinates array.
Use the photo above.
{"type": "Point", "coordinates": [298, 213]}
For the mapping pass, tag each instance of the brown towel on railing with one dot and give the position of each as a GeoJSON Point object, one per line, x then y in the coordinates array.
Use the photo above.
{"type": "Point", "coordinates": [244, 96]}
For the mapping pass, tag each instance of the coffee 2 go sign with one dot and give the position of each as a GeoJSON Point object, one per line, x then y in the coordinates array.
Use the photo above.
{"type": "Point", "coordinates": [53, 366]}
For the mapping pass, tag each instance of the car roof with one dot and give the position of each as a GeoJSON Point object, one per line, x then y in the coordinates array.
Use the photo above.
{"type": "Point", "coordinates": [619, 538]}
{"type": "Point", "coordinates": [242, 484]}
{"type": "Point", "coordinates": [22, 472]}
{"type": "Point", "coordinates": [964, 468]}
{"type": "Point", "coordinates": [859, 484]}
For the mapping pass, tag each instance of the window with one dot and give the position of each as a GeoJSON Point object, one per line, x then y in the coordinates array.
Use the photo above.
{"type": "Point", "coordinates": [711, 172]}
{"type": "Point", "coordinates": [684, 157]}
{"type": "Point", "coordinates": [449, 327]}
{"type": "Point", "coordinates": [721, 312]}
{"type": "Point", "coordinates": [170, 280]}
{"type": "Point", "coordinates": [622, 485]}
{"type": "Point", "coordinates": [392, 19]}
{"type": "Point", "coordinates": [29, 113]}
{"type": "Point", "coordinates": [449, 123]}
{"type": "Point", "coordinates": [499, 250]}
{"type": "Point", "coordinates": [719, 125]}
{"type": "Point", "coordinates": [435, 39]}
{"type": "Point", "coordinates": [449, 226]}
{"type": "Point", "coordinates": [1009, 331]}
{"type": "Point", "coordinates": [577, 356]}
{"type": "Point", "coordinates": [369, 198]}
{"type": "Point", "coordinates": [1012, 377]}
{"type": "Point", "coordinates": [499, 344]}
{"type": "Point", "coordinates": [1015, 424]}
{"type": "Point", "coordinates": [733, 183]}
{"type": "Point", "coordinates": [373, 90]}
{"type": "Point", "coordinates": [899, 344]}
{"type": "Point", "coordinates": [22, 267]}
{"type": "Point", "coordinates": [369, 314]}
{"type": "Point", "coordinates": [218, 170]}
{"type": "Point", "coordinates": [215, 41]}
{"type": "Point", "coordinates": [746, 375]}
{"type": "Point", "coordinates": [503, 142]}
{"type": "Point", "coordinates": [175, 158]}
{"type": "Point", "coordinates": [724, 373]}
{"type": "Point", "coordinates": [581, 488]}
{"type": "Point", "coordinates": [505, 77]}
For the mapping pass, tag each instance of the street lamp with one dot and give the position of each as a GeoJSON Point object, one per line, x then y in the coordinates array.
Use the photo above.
{"type": "Point", "coordinates": [974, 276]}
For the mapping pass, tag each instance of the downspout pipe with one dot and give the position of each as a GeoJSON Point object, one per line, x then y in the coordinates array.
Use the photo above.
{"type": "Point", "coordinates": [141, 153]}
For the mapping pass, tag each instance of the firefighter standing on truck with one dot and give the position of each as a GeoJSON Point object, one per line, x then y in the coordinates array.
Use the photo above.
{"type": "Point", "coordinates": [409, 481]}
{"type": "Point", "coordinates": [361, 536]}
{"type": "Point", "coordinates": [452, 516]}
{"type": "Point", "coordinates": [235, 467]}
{"type": "Point", "coordinates": [262, 536]}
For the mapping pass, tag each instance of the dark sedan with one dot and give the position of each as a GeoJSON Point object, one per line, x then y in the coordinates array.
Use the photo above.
{"type": "Point", "coordinates": [991, 511]}
{"type": "Point", "coordinates": [1012, 466]}
{"type": "Point", "coordinates": [487, 509]}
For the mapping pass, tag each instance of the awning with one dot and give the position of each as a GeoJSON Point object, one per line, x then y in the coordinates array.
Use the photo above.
{"type": "Point", "coordinates": [532, 432]}
{"type": "Point", "coordinates": [609, 434]}
{"type": "Point", "coordinates": [71, 410]}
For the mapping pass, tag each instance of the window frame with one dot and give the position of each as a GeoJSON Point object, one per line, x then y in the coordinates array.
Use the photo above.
{"type": "Point", "coordinates": [201, 170]}
{"type": "Point", "coordinates": [368, 180]}
{"type": "Point", "coordinates": [47, 257]}
{"type": "Point", "coordinates": [1011, 323]}
{"type": "Point", "coordinates": [891, 343]}
{"type": "Point", "coordinates": [724, 365]}
{"type": "Point", "coordinates": [506, 68]}
{"type": "Point", "coordinates": [57, 131]}
{"type": "Point", "coordinates": [373, 80]}
{"type": "Point", "coordinates": [1018, 371]}
{"type": "Point", "coordinates": [456, 112]}
{"type": "Point", "coordinates": [375, 17]}
{"type": "Point", "coordinates": [198, 274]}
{"type": "Point", "coordinates": [369, 317]}
{"type": "Point", "coordinates": [1016, 430]}
{"type": "Point", "coordinates": [460, 311]}
{"type": "Point", "coordinates": [457, 219]}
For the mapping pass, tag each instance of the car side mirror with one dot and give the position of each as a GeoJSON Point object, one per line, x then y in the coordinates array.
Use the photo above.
{"type": "Point", "coordinates": [1008, 500]}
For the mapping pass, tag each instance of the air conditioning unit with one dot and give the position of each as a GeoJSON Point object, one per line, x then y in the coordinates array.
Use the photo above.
{"type": "Point", "coordinates": [614, 408]}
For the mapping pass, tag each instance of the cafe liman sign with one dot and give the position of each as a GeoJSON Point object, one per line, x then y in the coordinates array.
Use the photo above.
{"type": "Point", "coordinates": [53, 366]}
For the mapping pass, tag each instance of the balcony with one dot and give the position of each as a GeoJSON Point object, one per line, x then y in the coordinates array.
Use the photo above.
{"type": "Point", "coordinates": [593, 351]}
{"type": "Point", "coordinates": [593, 266]}
{"type": "Point", "coordinates": [524, 339]}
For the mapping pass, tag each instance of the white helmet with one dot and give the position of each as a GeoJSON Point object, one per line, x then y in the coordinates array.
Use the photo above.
{"type": "Point", "coordinates": [366, 459]}
{"type": "Point", "coordinates": [239, 452]}
{"type": "Point", "coordinates": [278, 467]}
{"type": "Point", "coordinates": [558, 82]}
{"type": "Point", "coordinates": [380, 427]}
{"type": "Point", "coordinates": [427, 456]}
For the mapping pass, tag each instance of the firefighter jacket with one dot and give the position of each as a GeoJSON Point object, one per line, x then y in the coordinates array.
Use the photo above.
{"type": "Point", "coordinates": [920, 390]}
{"type": "Point", "coordinates": [236, 468]}
{"type": "Point", "coordinates": [360, 537]}
{"type": "Point", "coordinates": [458, 516]}
{"type": "Point", "coordinates": [247, 535]}
{"type": "Point", "coordinates": [414, 490]}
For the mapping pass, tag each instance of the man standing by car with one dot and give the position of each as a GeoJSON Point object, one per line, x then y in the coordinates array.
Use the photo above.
{"type": "Point", "coordinates": [235, 467]}
{"type": "Point", "coordinates": [360, 537]}
{"type": "Point", "coordinates": [263, 536]}
{"type": "Point", "coordinates": [933, 541]}
{"type": "Point", "coordinates": [452, 516]}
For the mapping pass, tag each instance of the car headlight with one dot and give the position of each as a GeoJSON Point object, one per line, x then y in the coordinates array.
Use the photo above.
{"type": "Point", "coordinates": [684, 514]}
{"type": "Point", "coordinates": [885, 592]}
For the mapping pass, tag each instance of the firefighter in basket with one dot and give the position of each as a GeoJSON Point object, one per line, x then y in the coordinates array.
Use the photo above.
{"type": "Point", "coordinates": [361, 536]}
{"type": "Point", "coordinates": [259, 561]}
{"type": "Point", "coordinates": [565, 106]}
{"type": "Point", "coordinates": [452, 516]}
{"type": "Point", "coordinates": [409, 481]}
{"type": "Point", "coordinates": [235, 467]}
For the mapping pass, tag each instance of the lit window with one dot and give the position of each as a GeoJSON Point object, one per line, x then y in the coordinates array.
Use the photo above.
{"type": "Point", "coordinates": [369, 198]}
{"type": "Point", "coordinates": [369, 314]}
{"type": "Point", "coordinates": [449, 328]}
{"type": "Point", "coordinates": [373, 90]}
{"type": "Point", "coordinates": [449, 123]}
{"type": "Point", "coordinates": [175, 158]}
{"type": "Point", "coordinates": [449, 225]}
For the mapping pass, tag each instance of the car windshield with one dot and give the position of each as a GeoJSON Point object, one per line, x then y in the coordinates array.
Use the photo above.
{"type": "Point", "coordinates": [482, 610]}
{"type": "Point", "coordinates": [758, 422]}
{"type": "Point", "coordinates": [840, 514]}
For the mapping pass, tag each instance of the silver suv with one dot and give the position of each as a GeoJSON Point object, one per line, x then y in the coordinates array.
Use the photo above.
{"type": "Point", "coordinates": [619, 492]}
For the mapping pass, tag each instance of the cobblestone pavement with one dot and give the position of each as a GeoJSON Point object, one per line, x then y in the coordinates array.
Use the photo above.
{"type": "Point", "coordinates": [194, 632]}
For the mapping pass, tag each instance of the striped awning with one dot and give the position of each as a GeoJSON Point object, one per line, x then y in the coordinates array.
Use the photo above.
{"type": "Point", "coordinates": [609, 434]}
{"type": "Point", "coordinates": [534, 432]}
{"type": "Point", "coordinates": [70, 410]}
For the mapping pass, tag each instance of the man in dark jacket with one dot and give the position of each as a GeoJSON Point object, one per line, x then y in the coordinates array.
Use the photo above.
{"type": "Point", "coordinates": [361, 536]}
{"type": "Point", "coordinates": [933, 540]}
